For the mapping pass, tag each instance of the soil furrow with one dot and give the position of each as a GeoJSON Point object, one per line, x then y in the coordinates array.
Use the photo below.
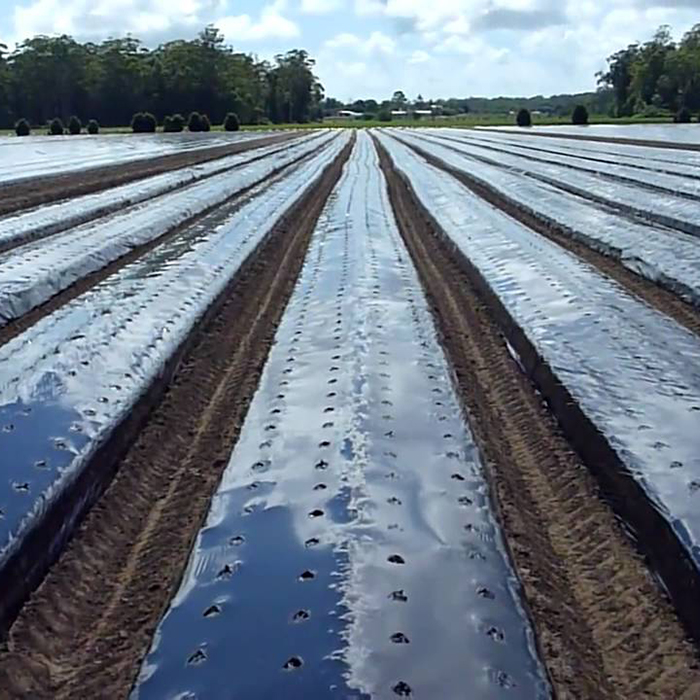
{"type": "Point", "coordinates": [604, 628]}
{"type": "Point", "coordinates": [43, 190]}
{"type": "Point", "coordinates": [14, 328]}
{"type": "Point", "coordinates": [85, 630]}
{"type": "Point", "coordinates": [664, 300]}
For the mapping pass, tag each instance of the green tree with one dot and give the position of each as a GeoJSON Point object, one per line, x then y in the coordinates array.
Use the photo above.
{"type": "Point", "coordinates": [523, 118]}
{"type": "Point", "coordinates": [194, 123]}
{"type": "Point", "coordinates": [579, 115]}
{"type": "Point", "coordinates": [294, 94]}
{"type": "Point", "coordinates": [231, 123]}
{"type": "Point", "coordinates": [74, 125]}
{"type": "Point", "coordinates": [56, 127]}
{"type": "Point", "coordinates": [618, 78]}
{"type": "Point", "coordinates": [22, 128]}
{"type": "Point", "coordinates": [399, 100]}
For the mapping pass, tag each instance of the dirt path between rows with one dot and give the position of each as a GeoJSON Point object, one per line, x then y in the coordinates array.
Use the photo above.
{"type": "Point", "coordinates": [604, 629]}
{"type": "Point", "coordinates": [85, 630]}
{"type": "Point", "coordinates": [647, 143]}
{"type": "Point", "coordinates": [43, 190]}
{"type": "Point", "coordinates": [664, 300]}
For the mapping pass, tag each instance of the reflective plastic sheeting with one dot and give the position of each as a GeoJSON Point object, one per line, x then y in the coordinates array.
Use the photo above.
{"type": "Point", "coordinates": [674, 210]}
{"type": "Point", "coordinates": [634, 372]}
{"type": "Point", "coordinates": [351, 550]}
{"type": "Point", "coordinates": [674, 133]}
{"type": "Point", "coordinates": [33, 273]}
{"type": "Point", "coordinates": [662, 255]}
{"type": "Point", "coordinates": [675, 183]}
{"type": "Point", "coordinates": [660, 159]}
{"type": "Point", "coordinates": [71, 378]}
{"type": "Point", "coordinates": [42, 156]}
{"type": "Point", "coordinates": [49, 218]}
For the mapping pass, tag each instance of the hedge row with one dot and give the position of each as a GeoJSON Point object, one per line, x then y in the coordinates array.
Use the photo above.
{"type": "Point", "coordinates": [56, 127]}
{"type": "Point", "coordinates": [141, 123]}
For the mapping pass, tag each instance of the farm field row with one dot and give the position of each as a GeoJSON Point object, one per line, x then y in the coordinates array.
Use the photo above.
{"type": "Point", "coordinates": [678, 211]}
{"type": "Point", "coordinates": [275, 423]}
{"type": "Point", "coordinates": [664, 255]}
{"type": "Point", "coordinates": [48, 155]}
{"type": "Point", "coordinates": [676, 134]}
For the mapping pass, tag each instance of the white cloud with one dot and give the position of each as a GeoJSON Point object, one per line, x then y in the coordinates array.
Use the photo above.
{"type": "Point", "coordinates": [152, 20]}
{"type": "Point", "coordinates": [376, 42]}
{"type": "Point", "coordinates": [270, 25]}
{"type": "Point", "coordinates": [453, 47]}
{"type": "Point", "coordinates": [419, 56]}
{"type": "Point", "coordinates": [321, 7]}
{"type": "Point", "coordinates": [341, 40]}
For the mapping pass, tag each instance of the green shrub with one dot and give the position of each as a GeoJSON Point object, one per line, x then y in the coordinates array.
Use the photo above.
{"type": "Point", "coordinates": [143, 123]}
{"type": "Point", "coordinates": [22, 128]}
{"type": "Point", "coordinates": [385, 115]}
{"type": "Point", "coordinates": [523, 118]}
{"type": "Point", "coordinates": [150, 123]}
{"type": "Point", "coordinates": [580, 116]}
{"type": "Point", "coordinates": [194, 123]}
{"type": "Point", "coordinates": [174, 124]}
{"type": "Point", "coordinates": [683, 116]}
{"type": "Point", "coordinates": [232, 123]}
{"type": "Point", "coordinates": [369, 117]}
{"type": "Point", "coordinates": [178, 122]}
{"type": "Point", "coordinates": [55, 127]}
{"type": "Point", "coordinates": [137, 123]}
{"type": "Point", "coordinates": [75, 126]}
{"type": "Point", "coordinates": [206, 124]}
{"type": "Point", "coordinates": [93, 127]}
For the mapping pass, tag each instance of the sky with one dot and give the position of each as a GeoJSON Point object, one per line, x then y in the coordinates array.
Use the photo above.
{"type": "Point", "coordinates": [369, 48]}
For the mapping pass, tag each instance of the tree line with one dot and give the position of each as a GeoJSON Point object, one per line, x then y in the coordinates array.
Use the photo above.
{"type": "Point", "coordinates": [656, 77]}
{"type": "Point", "coordinates": [57, 77]}
{"type": "Point", "coordinates": [598, 102]}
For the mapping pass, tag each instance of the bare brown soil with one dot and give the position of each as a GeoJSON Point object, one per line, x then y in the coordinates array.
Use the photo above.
{"type": "Point", "coordinates": [84, 631]}
{"type": "Point", "coordinates": [604, 629]}
{"type": "Point", "coordinates": [672, 145]}
{"type": "Point", "coordinates": [665, 301]}
{"type": "Point", "coordinates": [27, 194]}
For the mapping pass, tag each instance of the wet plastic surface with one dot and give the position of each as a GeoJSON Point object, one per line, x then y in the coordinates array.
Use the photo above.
{"type": "Point", "coordinates": [616, 169]}
{"type": "Point", "coordinates": [33, 273]}
{"type": "Point", "coordinates": [677, 211]}
{"type": "Point", "coordinates": [70, 379]}
{"type": "Point", "coordinates": [351, 550]}
{"type": "Point", "coordinates": [47, 219]}
{"type": "Point", "coordinates": [661, 159]}
{"type": "Point", "coordinates": [665, 256]}
{"type": "Point", "coordinates": [676, 133]}
{"type": "Point", "coordinates": [38, 156]}
{"type": "Point", "coordinates": [634, 372]}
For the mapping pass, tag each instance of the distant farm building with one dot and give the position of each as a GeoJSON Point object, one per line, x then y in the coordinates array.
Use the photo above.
{"type": "Point", "coordinates": [348, 114]}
